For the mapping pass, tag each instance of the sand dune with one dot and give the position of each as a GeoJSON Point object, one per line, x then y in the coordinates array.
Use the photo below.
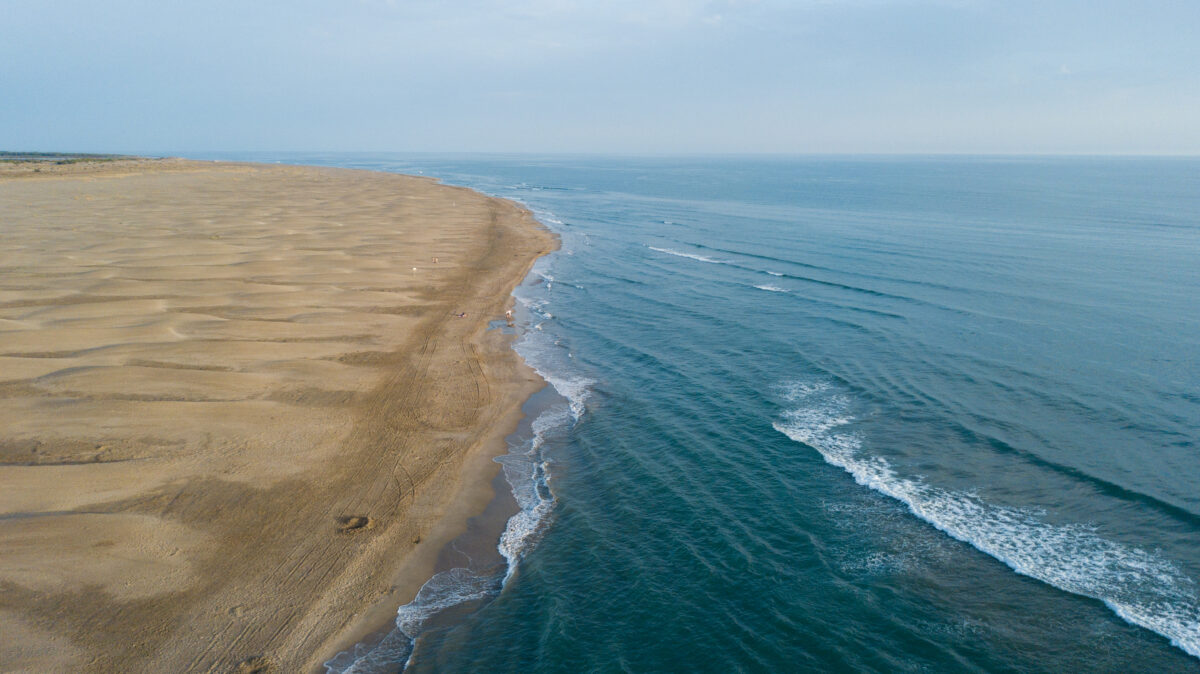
{"type": "Point", "coordinates": [230, 407]}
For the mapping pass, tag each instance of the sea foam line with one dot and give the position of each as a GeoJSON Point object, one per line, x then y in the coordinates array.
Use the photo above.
{"type": "Point", "coordinates": [527, 472]}
{"type": "Point", "coordinates": [528, 475]}
{"type": "Point", "coordinates": [690, 256]}
{"type": "Point", "coordinates": [1142, 588]}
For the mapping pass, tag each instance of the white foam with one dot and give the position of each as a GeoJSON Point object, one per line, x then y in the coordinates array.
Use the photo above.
{"type": "Point", "coordinates": [543, 216]}
{"type": "Point", "coordinates": [690, 256]}
{"type": "Point", "coordinates": [445, 589]}
{"type": "Point", "coordinates": [527, 472]}
{"type": "Point", "coordinates": [774, 289]}
{"type": "Point", "coordinates": [382, 657]}
{"type": "Point", "coordinates": [526, 469]}
{"type": "Point", "coordinates": [537, 307]}
{"type": "Point", "coordinates": [775, 273]}
{"type": "Point", "coordinates": [553, 363]}
{"type": "Point", "coordinates": [528, 475]}
{"type": "Point", "coordinates": [575, 389]}
{"type": "Point", "coordinates": [442, 591]}
{"type": "Point", "coordinates": [1141, 587]}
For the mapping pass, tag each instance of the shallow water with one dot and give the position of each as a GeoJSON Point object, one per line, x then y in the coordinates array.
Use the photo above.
{"type": "Point", "coordinates": [896, 414]}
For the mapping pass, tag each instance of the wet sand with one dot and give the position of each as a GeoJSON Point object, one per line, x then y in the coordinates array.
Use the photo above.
{"type": "Point", "coordinates": [236, 425]}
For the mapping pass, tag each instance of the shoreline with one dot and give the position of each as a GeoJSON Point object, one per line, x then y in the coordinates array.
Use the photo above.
{"type": "Point", "coordinates": [302, 551]}
{"type": "Point", "coordinates": [478, 514]}
{"type": "Point", "coordinates": [471, 538]}
{"type": "Point", "coordinates": [475, 548]}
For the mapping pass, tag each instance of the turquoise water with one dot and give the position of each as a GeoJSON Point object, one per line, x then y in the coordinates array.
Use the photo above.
{"type": "Point", "coordinates": [895, 414]}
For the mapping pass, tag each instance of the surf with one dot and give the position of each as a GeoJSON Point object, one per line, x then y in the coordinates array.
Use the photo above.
{"type": "Point", "coordinates": [1141, 587]}
{"type": "Point", "coordinates": [526, 469]}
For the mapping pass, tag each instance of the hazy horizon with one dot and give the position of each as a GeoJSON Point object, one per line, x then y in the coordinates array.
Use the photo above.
{"type": "Point", "coordinates": [658, 78]}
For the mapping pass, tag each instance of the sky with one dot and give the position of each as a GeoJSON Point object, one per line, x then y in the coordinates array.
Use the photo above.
{"type": "Point", "coordinates": [615, 76]}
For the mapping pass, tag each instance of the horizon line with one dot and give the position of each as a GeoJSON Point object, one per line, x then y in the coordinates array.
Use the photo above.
{"type": "Point", "coordinates": [646, 155]}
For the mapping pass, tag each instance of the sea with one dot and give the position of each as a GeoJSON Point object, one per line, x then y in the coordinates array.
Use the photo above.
{"type": "Point", "coordinates": [872, 414]}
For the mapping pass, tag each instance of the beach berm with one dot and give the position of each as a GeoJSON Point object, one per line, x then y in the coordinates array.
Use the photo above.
{"type": "Point", "coordinates": [239, 409]}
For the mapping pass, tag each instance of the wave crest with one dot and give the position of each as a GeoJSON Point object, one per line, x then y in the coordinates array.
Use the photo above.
{"type": "Point", "coordinates": [1141, 587]}
{"type": "Point", "coordinates": [690, 256]}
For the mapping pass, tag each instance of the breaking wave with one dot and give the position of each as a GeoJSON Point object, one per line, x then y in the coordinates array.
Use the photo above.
{"type": "Point", "coordinates": [690, 256]}
{"type": "Point", "coordinates": [527, 471]}
{"type": "Point", "coordinates": [1141, 587]}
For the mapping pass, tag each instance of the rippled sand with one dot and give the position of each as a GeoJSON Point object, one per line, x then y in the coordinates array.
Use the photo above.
{"type": "Point", "coordinates": [239, 410]}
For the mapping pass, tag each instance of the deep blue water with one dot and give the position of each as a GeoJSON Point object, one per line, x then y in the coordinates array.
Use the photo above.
{"type": "Point", "coordinates": [890, 414]}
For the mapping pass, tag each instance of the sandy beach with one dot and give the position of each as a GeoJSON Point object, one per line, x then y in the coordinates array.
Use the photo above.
{"type": "Point", "coordinates": [241, 406]}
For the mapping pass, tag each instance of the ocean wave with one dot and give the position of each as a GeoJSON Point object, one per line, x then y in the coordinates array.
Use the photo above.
{"type": "Point", "coordinates": [528, 475]}
{"type": "Point", "coordinates": [395, 648]}
{"type": "Point", "coordinates": [551, 360]}
{"type": "Point", "coordinates": [1141, 587]}
{"type": "Point", "coordinates": [444, 590]}
{"type": "Point", "coordinates": [771, 288]}
{"type": "Point", "coordinates": [527, 471]}
{"type": "Point", "coordinates": [690, 256]}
